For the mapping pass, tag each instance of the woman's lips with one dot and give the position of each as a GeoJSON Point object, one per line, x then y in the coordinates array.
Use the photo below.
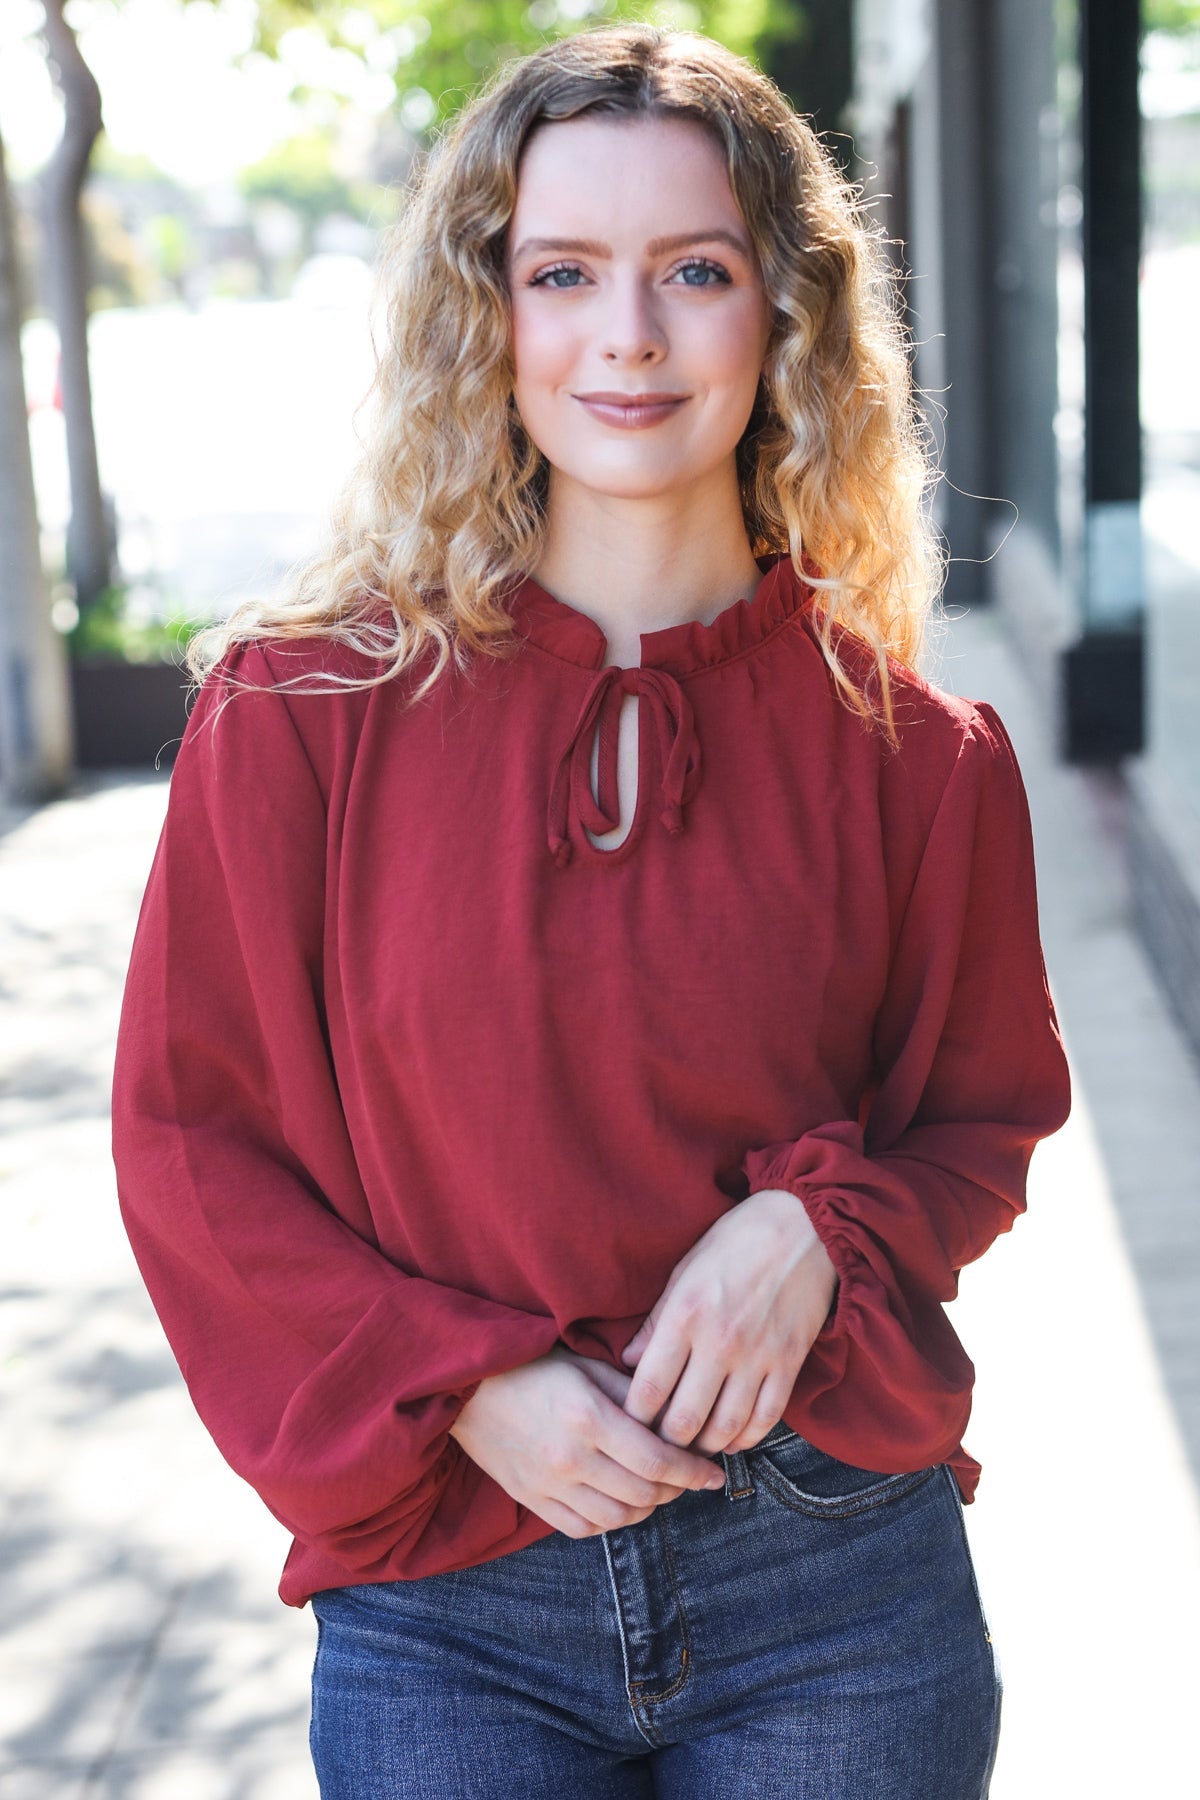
{"type": "Point", "coordinates": [633, 417]}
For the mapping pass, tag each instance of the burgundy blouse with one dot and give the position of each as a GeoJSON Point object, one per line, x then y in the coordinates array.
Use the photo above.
{"type": "Point", "coordinates": [413, 1081]}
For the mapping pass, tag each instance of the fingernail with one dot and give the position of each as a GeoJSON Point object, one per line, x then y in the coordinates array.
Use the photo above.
{"type": "Point", "coordinates": [715, 1480]}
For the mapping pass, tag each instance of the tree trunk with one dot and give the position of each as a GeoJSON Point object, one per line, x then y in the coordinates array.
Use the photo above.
{"type": "Point", "coordinates": [88, 549]}
{"type": "Point", "coordinates": [35, 719]}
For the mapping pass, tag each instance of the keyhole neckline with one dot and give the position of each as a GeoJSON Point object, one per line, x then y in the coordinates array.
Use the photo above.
{"type": "Point", "coordinates": [664, 712]}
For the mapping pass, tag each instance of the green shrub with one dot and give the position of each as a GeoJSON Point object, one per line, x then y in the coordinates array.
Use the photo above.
{"type": "Point", "coordinates": [105, 633]}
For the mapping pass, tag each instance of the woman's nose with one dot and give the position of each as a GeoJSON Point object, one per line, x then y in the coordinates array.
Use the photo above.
{"type": "Point", "coordinates": [632, 329]}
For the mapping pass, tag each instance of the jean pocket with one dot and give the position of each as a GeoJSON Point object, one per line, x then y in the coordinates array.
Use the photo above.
{"type": "Point", "coordinates": [814, 1482]}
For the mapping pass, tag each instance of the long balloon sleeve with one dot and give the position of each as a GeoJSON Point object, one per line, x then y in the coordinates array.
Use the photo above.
{"type": "Point", "coordinates": [970, 1073]}
{"type": "Point", "coordinates": [327, 1375]}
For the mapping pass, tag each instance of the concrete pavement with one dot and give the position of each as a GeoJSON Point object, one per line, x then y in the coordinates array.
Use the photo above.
{"type": "Point", "coordinates": [1085, 1330]}
{"type": "Point", "coordinates": [143, 1653]}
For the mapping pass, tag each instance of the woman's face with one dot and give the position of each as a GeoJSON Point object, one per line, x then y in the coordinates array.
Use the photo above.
{"type": "Point", "coordinates": [632, 275]}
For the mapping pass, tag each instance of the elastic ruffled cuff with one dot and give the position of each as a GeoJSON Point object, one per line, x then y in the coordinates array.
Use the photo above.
{"type": "Point", "coordinates": [886, 1380]}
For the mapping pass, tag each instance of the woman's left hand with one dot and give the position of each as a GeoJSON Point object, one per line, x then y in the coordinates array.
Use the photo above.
{"type": "Point", "coordinates": [727, 1337]}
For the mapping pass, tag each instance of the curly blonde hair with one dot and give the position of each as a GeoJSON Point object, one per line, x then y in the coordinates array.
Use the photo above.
{"type": "Point", "coordinates": [445, 509]}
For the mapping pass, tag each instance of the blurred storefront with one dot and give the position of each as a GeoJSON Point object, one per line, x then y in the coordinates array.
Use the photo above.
{"type": "Point", "coordinates": [1034, 163]}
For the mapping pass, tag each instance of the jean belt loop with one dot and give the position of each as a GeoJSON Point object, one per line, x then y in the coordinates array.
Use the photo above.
{"type": "Point", "coordinates": [738, 1485]}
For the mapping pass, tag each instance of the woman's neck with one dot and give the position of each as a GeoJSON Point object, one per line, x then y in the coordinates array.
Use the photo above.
{"type": "Point", "coordinates": [636, 565]}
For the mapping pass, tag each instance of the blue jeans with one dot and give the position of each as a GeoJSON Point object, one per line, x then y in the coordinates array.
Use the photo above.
{"type": "Point", "coordinates": [814, 1631]}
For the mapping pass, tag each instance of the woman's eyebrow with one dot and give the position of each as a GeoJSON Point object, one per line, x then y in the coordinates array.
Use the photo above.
{"type": "Point", "coordinates": [656, 247]}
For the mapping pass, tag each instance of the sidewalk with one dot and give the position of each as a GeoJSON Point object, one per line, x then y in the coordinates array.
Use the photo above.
{"type": "Point", "coordinates": [1084, 1326]}
{"type": "Point", "coordinates": [143, 1652]}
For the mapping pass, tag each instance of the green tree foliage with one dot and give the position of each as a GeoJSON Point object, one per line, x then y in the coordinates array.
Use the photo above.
{"type": "Point", "coordinates": [301, 173]}
{"type": "Point", "coordinates": [1179, 16]}
{"type": "Point", "coordinates": [442, 49]}
{"type": "Point", "coordinates": [118, 269]}
{"type": "Point", "coordinates": [107, 632]}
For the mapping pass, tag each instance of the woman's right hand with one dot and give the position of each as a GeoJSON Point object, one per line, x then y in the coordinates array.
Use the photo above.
{"type": "Point", "coordinates": [556, 1439]}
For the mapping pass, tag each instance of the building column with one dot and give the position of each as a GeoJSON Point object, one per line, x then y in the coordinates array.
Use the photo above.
{"type": "Point", "coordinates": [1103, 672]}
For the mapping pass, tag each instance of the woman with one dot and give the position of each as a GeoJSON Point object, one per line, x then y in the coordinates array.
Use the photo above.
{"type": "Point", "coordinates": [588, 1002]}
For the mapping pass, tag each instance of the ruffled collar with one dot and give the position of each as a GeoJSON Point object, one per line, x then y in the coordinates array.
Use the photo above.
{"type": "Point", "coordinates": [668, 658]}
{"type": "Point", "coordinates": [683, 649]}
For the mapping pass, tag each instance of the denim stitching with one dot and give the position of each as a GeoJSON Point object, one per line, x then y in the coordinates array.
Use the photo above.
{"type": "Point", "coordinates": [730, 1458]}
{"type": "Point", "coordinates": [735, 1464]}
{"type": "Point", "coordinates": [656, 1740]}
{"type": "Point", "coordinates": [842, 1506]}
{"type": "Point", "coordinates": [966, 1543]}
{"type": "Point", "coordinates": [685, 1655]}
{"type": "Point", "coordinates": [772, 1443]}
{"type": "Point", "coordinates": [998, 1683]}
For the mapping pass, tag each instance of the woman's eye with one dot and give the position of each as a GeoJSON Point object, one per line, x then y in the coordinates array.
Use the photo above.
{"type": "Point", "coordinates": [702, 265]}
{"type": "Point", "coordinates": [545, 278]}
{"type": "Point", "coordinates": [698, 272]}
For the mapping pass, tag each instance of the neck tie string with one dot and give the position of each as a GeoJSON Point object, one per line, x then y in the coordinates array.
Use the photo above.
{"type": "Point", "coordinates": [571, 796]}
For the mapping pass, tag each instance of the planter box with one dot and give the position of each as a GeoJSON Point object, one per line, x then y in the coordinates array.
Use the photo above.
{"type": "Point", "coordinates": [127, 714]}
